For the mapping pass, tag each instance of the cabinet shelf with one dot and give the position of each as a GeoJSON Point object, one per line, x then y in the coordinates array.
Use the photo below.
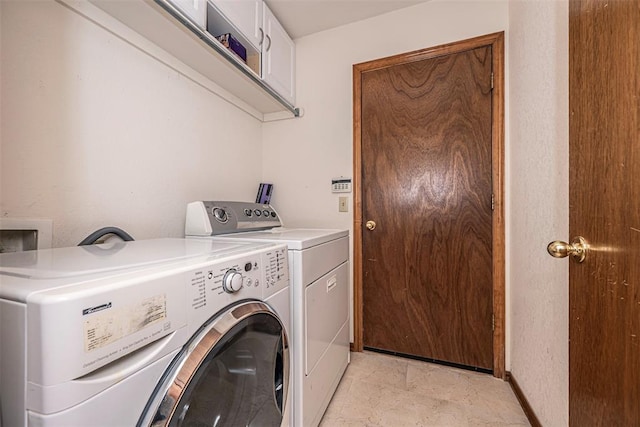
{"type": "Point", "coordinates": [167, 27]}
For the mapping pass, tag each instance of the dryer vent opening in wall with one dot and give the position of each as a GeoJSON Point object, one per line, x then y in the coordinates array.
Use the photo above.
{"type": "Point", "coordinates": [18, 240]}
{"type": "Point", "coordinates": [18, 234]}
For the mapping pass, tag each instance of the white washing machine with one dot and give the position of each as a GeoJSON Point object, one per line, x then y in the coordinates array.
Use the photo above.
{"type": "Point", "coordinates": [147, 333]}
{"type": "Point", "coordinates": [319, 278]}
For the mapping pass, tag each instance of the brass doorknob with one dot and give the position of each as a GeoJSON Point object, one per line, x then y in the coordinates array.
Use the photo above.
{"type": "Point", "coordinates": [577, 249]}
{"type": "Point", "coordinates": [371, 225]}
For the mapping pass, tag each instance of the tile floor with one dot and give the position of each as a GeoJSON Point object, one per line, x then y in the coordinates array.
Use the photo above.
{"type": "Point", "coordinates": [380, 390]}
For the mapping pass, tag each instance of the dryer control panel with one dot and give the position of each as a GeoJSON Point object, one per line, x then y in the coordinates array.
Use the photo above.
{"type": "Point", "coordinates": [213, 218]}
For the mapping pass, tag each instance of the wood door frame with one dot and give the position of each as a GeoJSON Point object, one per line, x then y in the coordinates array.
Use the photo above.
{"type": "Point", "coordinates": [496, 41]}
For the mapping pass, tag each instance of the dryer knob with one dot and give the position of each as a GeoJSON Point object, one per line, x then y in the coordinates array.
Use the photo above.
{"type": "Point", "coordinates": [232, 281]}
{"type": "Point", "coordinates": [221, 215]}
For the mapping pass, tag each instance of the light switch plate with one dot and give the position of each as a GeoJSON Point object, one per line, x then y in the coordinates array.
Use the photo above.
{"type": "Point", "coordinates": [343, 204]}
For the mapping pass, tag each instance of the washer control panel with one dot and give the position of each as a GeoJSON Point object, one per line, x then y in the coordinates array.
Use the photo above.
{"type": "Point", "coordinates": [256, 275]}
{"type": "Point", "coordinates": [213, 218]}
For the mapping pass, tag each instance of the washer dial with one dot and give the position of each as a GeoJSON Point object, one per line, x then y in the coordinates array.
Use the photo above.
{"type": "Point", "coordinates": [232, 281]}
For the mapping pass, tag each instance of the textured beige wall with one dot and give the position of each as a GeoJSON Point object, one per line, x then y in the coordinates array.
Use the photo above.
{"type": "Point", "coordinates": [538, 190]}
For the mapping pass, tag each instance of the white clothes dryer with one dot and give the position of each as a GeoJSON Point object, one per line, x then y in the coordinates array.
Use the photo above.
{"type": "Point", "coordinates": [150, 333]}
{"type": "Point", "coordinates": [319, 280]}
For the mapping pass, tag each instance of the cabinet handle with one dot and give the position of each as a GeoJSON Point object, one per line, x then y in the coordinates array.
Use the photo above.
{"type": "Point", "coordinates": [269, 40]}
{"type": "Point", "coordinates": [261, 37]}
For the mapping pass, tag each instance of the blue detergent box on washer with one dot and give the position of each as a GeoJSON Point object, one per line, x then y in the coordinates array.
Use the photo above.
{"type": "Point", "coordinates": [234, 45]}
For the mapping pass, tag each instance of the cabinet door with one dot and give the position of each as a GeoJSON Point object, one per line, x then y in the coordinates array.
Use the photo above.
{"type": "Point", "coordinates": [246, 16]}
{"type": "Point", "coordinates": [194, 9]}
{"type": "Point", "coordinates": [278, 57]}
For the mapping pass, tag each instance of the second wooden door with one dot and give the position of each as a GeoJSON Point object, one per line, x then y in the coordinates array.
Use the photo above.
{"type": "Point", "coordinates": [604, 206]}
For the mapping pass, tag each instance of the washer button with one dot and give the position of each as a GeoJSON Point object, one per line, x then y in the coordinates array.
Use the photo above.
{"type": "Point", "coordinates": [257, 212]}
{"type": "Point", "coordinates": [266, 213]}
{"type": "Point", "coordinates": [247, 266]}
{"type": "Point", "coordinates": [247, 212]}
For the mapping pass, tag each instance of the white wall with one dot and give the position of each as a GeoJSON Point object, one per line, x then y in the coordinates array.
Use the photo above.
{"type": "Point", "coordinates": [97, 132]}
{"type": "Point", "coordinates": [301, 156]}
{"type": "Point", "coordinates": [538, 181]}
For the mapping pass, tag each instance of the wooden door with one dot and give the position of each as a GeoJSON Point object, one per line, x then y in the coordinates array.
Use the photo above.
{"type": "Point", "coordinates": [604, 135]}
{"type": "Point", "coordinates": [427, 184]}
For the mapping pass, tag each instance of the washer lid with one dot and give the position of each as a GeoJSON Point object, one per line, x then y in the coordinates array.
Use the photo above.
{"type": "Point", "coordinates": [109, 257]}
{"type": "Point", "coordinates": [295, 238]}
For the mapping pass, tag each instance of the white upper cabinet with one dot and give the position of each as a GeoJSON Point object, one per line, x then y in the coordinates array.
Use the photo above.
{"type": "Point", "coordinates": [256, 24]}
{"type": "Point", "coordinates": [278, 57]}
{"type": "Point", "coordinates": [196, 10]}
{"type": "Point", "coordinates": [219, 24]}
{"type": "Point", "coordinates": [246, 16]}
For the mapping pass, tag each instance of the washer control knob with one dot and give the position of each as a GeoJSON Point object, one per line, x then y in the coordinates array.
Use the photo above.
{"type": "Point", "coordinates": [232, 281]}
{"type": "Point", "coordinates": [220, 214]}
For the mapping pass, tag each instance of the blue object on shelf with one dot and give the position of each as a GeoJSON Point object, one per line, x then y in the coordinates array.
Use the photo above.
{"type": "Point", "coordinates": [234, 45]}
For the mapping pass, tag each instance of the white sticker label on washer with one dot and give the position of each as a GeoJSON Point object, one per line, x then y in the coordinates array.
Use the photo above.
{"type": "Point", "coordinates": [107, 327]}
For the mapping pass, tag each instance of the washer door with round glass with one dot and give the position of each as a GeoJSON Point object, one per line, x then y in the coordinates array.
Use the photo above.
{"type": "Point", "coordinates": [233, 372]}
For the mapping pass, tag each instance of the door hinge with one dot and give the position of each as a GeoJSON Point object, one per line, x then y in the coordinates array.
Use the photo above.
{"type": "Point", "coordinates": [491, 81]}
{"type": "Point", "coordinates": [493, 201]}
{"type": "Point", "coordinates": [493, 322]}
